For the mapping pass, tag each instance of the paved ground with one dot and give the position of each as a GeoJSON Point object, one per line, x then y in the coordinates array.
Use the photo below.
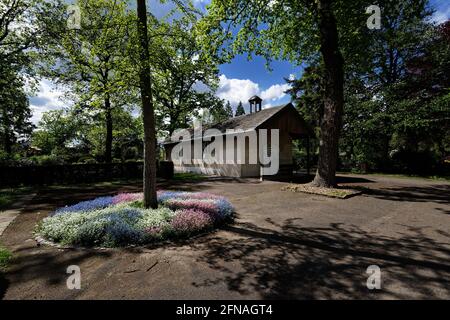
{"type": "Point", "coordinates": [283, 245]}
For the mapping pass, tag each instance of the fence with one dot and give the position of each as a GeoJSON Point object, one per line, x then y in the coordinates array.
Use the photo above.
{"type": "Point", "coordinates": [77, 173]}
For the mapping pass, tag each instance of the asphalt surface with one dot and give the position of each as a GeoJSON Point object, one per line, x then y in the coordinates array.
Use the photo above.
{"type": "Point", "coordinates": [283, 245]}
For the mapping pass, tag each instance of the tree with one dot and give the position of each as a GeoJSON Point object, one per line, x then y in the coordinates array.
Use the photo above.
{"type": "Point", "coordinates": [26, 25]}
{"type": "Point", "coordinates": [239, 110]}
{"type": "Point", "coordinates": [127, 135]}
{"type": "Point", "coordinates": [57, 129]}
{"type": "Point", "coordinates": [15, 110]}
{"type": "Point", "coordinates": [221, 112]}
{"type": "Point", "coordinates": [179, 66]}
{"type": "Point", "coordinates": [294, 30]}
{"type": "Point", "coordinates": [307, 94]}
{"type": "Point", "coordinates": [371, 99]}
{"type": "Point", "coordinates": [25, 28]}
{"type": "Point", "coordinates": [92, 60]}
{"type": "Point", "coordinates": [368, 123]}
{"type": "Point", "coordinates": [77, 135]}
{"type": "Point", "coordinates": [228, 110]}
{"type": "Point", "coordinates": [150, 198]}
{"type": "Point", "coordinates": [421, 117]}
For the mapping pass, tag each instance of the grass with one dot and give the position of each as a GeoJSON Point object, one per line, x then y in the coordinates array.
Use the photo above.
{"type": "Point", "coordinates": [339, 193]}
{"type": "Point", "coordinates": [188, 176]}
{"type": "Point", "coordinates": [9, 195]}
{"type": "Point", "coordinates": [5, 257]}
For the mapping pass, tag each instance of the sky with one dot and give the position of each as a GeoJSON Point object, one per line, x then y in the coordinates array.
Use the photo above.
{"type": "Point", "coordinates": [239, 80]}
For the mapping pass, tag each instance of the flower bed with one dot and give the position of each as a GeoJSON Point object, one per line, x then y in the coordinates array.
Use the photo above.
{"type": "Point", "coordinates": [121, 220]}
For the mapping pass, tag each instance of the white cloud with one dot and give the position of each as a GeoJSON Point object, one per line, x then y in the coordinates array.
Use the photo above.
{"type": "Point", "coordinates": [204, 2]}
{"type": "Point", "coordinates": [441, 16]}
{"type": "Point", "coordinates": [48, 97]}
{"type": "Point", "coordinates": [235, 90]}
{"type": "Point", "coordinates": [275, 92]}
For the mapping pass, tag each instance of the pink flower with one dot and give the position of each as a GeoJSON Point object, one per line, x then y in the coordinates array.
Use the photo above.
{"type": "Point", "coordinates": [187, 221]}
{"type": "Point", "coordinates": [127, 197]}
{"type": "Point", "coordinates": [195, 204]}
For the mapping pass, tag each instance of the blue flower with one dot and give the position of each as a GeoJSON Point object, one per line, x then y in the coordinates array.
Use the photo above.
{"type": "Point", "coordinates": [97, 203]}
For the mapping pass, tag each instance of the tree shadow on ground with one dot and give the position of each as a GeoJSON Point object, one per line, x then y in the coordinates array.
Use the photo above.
{"type": "Point", "coordinates": [48, 199]}
{"type": "Point", "coordinates": [4, 283]}
{"type": "Point", "coordinates": [290, 262]}
{"type": "Point", "coordinates": [445, 211]}
{"type": "Point", "coordinates": [48, 265]}
{"type": "Point", "coordinates": [432, 193]}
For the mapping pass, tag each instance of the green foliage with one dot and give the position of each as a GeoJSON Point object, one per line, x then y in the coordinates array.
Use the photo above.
{"type": "Point", "coordinates": [307, 94]}
{"type": "Point", "coordinates": [183, 76]}
{"type": "Point", "coordinates": [240, 111]}
{"type": "Point", "coordinates": [5, 257]}
{"type": "Point", "coordinates": [273, 29]}
{"type": "Point", "coordinates": [188, 176]}
{"type": "Point", "coordinates": [395, 93]}
{"type": "Point", "coordinates": [71, 135]}
{"type": "Point", "coordinates": [220, 112]}
{"type": "Point", "coordinates": [127, 136]}
{"type": "Point", "coordinates": [57, 130]}
{"type": "Point", "coordinates": [26, 25]}
{"type": "Point", "coordinates": [94, 61]}
{"type": "Point", "coordinates": [15, 111]}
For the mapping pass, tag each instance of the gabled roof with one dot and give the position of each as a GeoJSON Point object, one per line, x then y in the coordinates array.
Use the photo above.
{"type": "Point", "coordinates": [245, 122]}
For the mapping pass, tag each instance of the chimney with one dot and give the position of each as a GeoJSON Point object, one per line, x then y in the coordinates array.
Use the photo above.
{"type": "Point", "coordinates": [255, 102]}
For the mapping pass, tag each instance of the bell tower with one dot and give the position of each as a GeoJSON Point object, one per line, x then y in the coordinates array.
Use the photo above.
{"type": "Point", "coordinates": [255, 103]}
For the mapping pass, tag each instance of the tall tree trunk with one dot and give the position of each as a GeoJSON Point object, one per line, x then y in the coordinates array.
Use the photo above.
{"type": "Point", "coordinates": [109, 130]}
{"type": "Point", "coordinates": [333, 97]}
{"type": "Point", "coordinates": [150, 199]}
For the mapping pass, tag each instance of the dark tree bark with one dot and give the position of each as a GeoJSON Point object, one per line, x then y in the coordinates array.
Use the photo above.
{"type": "Point", "coordinates": [150, 199]}
{"type": "Point", "coordinates": [333, 96]}
{"type": "Point", "coordinates": [109, 130]}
